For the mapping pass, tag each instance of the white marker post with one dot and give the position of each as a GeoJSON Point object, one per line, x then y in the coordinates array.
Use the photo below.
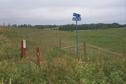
{"type": "Point", "coordinates": [23, 48]}
{"type": "Point", "coordinates": [24, 44]}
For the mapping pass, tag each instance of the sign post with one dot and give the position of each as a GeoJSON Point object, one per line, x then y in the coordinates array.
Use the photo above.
{"type": "Point", "coordinates": [76, 17]}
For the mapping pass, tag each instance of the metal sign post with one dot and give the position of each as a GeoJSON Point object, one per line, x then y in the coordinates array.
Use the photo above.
{"type": "Point", "coordinates": [77, 17]}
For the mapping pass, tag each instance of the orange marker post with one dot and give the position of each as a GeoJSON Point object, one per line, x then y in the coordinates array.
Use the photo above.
{"type": "Point", "coordinates": [38, 56]}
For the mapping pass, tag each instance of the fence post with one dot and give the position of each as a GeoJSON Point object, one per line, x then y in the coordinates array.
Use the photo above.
{"type": "Point", "coordinates": [85, 49]}
{"type": "Point", "coordinates": [60, 43]}
{"type": "Point", "coordinates": [124, 51]}
{"type": "Point", "coordinates": [10, 81]}
{"type": "Point", "coordinates": [38, 56]}
{"type": "Point", "coordinates": [2, 81]}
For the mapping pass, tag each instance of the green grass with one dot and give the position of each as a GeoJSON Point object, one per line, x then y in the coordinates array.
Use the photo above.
{"type": "Point", "coordinates": [59, 66]}
{"type": "Point", "coordinates": [113, 39]}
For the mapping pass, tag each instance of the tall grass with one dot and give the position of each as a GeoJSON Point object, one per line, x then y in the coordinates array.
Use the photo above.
{"type": "Point", "coordinates": [59, 66]}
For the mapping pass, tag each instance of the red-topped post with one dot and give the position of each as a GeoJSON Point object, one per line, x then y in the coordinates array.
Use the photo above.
{"type": "Point", "coordinates": [38, 56]}
{"type": "Point", "coordinates": [23, 48]}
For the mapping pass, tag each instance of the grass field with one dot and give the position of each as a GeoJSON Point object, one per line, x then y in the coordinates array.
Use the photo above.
{"type": "Point", "coordinates": [113, 39]}
{"type": "Point", "coordinates": [58, 66]}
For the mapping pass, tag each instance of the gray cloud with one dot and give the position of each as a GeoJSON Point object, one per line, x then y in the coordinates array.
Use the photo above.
{"type": "Point", "coordinates": [60, 11]}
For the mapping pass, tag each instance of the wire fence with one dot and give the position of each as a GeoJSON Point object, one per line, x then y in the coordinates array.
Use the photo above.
{"type": "Point", "coordinates": [92, 53]}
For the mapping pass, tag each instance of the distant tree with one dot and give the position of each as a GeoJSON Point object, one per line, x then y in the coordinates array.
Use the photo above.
{"type": "Point", "coordinates": [15, 25]}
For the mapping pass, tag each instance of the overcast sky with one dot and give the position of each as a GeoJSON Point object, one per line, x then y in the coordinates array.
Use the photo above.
{"type": "Point", "coordinates": [60, 11]}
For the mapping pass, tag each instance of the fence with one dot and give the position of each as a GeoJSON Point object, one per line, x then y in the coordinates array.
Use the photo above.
{"type": "Point", "coordinates": [89, 52]}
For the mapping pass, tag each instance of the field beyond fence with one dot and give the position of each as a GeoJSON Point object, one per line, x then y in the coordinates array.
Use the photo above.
{"type": "Point", "coordinates": [89, 51]}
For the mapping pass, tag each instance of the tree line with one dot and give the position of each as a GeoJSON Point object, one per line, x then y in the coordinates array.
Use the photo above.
{"type": "Point", "coordinates": [32, 26]}
{"type": "Point", "coordinates": [69, 27]}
